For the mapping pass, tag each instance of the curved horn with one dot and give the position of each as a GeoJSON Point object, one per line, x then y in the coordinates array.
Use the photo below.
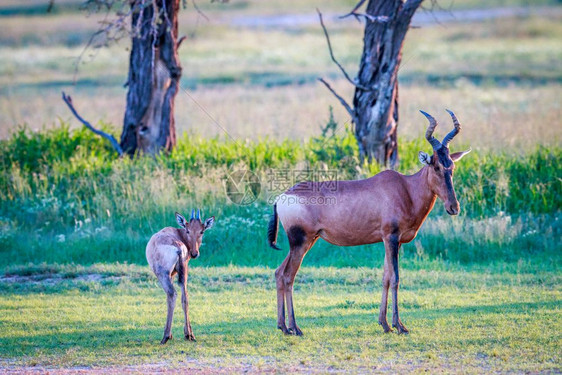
{"type": "Point", "coordinates": [199, 214]}
{"type": "Point", "coordinates": [449, 137]}
{"type": "Point", "coordinates": [429, 133]}
{"type": "Point", "coordinates": [192, 214]}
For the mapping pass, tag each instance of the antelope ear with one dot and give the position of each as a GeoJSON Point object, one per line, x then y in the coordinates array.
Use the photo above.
{"type": "Point", "coordinates": [209, 222]}
{"type": "Point", "coordinates": [458, 155]}
{"type": "Point", "coordinates": [425, 159]}
{"type": "Point", "coordinates": [181, 221]}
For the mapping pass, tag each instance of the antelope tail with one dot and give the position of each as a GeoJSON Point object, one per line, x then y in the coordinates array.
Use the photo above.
{"type": "Point", "coordinates": [273, 228]}
{"type": "Point", "coordinates": [180, 269]}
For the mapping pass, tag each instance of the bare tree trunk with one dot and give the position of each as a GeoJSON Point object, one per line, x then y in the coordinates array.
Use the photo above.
{"type": "Point", "coordinates": [154, 74]}
{"type": "Point", "coordinates": [376, 109]}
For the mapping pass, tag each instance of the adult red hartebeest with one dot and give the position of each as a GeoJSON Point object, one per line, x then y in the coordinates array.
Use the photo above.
{"type": "Point", "coordinates": [387, 207]}
{"type": "Point", "coordinates": [168, 253]}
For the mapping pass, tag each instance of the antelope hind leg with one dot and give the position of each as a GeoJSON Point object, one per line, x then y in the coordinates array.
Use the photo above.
{"type": "Point", "coordinates": [281, 296]}
{"type": "Point", "coordinates": [166, 282]}
{"type": "Point", "coordinates": [384, 300]}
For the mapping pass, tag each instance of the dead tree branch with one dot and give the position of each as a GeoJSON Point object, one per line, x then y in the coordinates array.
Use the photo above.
{"type": "Point", "coordinates": [110, 31]}
{"type": "Point", "coordinates": [199, 11]}
{"type": "Point", "coordinates": [354, 83]}
{"type": "Point", "coordinates": [342, 100]}
{"type": "Point", "coordinates": [357, 15]}
{"type": "Point", "coordinates": [68, 100]}
{"type": "Point", "coordinates": [354, 10]}
{"type": "Point", "coordinates": [180, 41]}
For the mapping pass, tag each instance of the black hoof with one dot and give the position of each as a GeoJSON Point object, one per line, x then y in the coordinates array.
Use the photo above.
{"type": "Point", "coordinates": [283, 329]}
{"type": "Point", "coordinates": [401, 329]}
{"type": "Point", "coordinates": [295, 332]}
{"type": "Point", "coordinates": [385, 327]}
{"type": "Point", "coordinates": [165, 339]}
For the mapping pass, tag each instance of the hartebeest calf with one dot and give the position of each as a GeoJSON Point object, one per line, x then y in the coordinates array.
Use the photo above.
{"type": "Point", "coordinates": [387, 207]}
{"type": "Point", "coordinates": [168, 253]}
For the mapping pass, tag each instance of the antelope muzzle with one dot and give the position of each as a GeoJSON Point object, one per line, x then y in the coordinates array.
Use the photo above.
{"type": "Point", "coordinates": [453, 208]}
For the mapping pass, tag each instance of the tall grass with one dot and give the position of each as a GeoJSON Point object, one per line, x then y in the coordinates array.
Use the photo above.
{"type": "Point", "coordinates": [65, 197]}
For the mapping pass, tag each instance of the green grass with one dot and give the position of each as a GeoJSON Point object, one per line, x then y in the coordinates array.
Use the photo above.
{"type": "Point", "coordinates": [64, 189]}
{"type": "Point", "coordinates": [460, 321]}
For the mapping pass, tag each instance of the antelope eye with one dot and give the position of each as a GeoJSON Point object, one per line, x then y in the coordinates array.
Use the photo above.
{"type": "Point", "coordinates": [436, 169]}
{"type": "Point", "coordinates": [202, 231]}
{"type": "Point", "coordinates": [187, 231]}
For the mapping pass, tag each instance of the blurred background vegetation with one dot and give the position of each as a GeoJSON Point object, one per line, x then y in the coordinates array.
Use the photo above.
{"type": "Point", "coordinates": [254, 66]}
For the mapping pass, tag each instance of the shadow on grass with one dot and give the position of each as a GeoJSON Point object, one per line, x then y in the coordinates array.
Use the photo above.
{"type": "Point", "coordinates": [103, 337]}
{"type": "Point", "coordinates": [413, 309]}
{"type": "Point", "coordinates": [96, 341]}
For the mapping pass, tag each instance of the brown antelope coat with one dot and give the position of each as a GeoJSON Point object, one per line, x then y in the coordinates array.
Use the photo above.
{"type": "Point", "coordinates": [168, 253]}
{"type": "Point", "coordinates": [388, 207]}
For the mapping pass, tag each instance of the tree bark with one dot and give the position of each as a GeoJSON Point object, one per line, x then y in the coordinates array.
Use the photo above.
{"type": "Point", "coordinates": [375, 100]}
{"type": "Point", "coordinates": [154, 74]}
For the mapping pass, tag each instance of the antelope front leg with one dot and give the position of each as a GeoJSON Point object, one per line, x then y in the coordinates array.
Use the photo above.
{"type": "Point", "coordinates": [394, 283]}
{"type": "Point", "coordinates": [187, 331]}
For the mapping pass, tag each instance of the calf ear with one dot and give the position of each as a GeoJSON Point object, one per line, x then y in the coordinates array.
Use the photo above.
{"type": "Point", "coordinates": [181, 221]}
{"type": "Point", "coordinates": [458, 155]}
{"type": "Point", "coordinates": [425, 159]}
{"type": "Point", "coordinates": [209, 222]}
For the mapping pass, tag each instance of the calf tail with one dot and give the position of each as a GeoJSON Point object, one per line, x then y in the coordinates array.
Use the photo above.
{"type": "Point", "coordinates": [273, 228]}
{"type": "Point", "coordinates": [181, 269]}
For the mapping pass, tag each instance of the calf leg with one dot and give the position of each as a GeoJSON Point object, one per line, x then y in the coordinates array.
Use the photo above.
{"type": "Point", "coordinates": [166, 282]}
{"type": "Point", "coordinates": [187, 331]}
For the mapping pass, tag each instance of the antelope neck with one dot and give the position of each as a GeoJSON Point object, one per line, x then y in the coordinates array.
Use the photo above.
{"type": "Point", "coordinates": [418, 187]}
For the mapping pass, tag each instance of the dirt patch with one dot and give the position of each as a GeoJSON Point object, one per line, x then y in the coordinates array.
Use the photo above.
{"type": "Point", "coordinates": [186, 368]}
{"type": "Point", "coordinates": [53, 279]}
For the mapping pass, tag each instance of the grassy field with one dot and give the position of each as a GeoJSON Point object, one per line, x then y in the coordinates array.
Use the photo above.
{"type": "Point", "coordinates": [481, 292]}
{"type": "Point", "coordinates": [460, 321]}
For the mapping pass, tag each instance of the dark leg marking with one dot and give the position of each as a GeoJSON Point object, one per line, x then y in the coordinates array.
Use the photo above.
{"type": "Point", "coordinates": [296, 236]}
{"type": "Point", "coordinates": [180, 268]}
